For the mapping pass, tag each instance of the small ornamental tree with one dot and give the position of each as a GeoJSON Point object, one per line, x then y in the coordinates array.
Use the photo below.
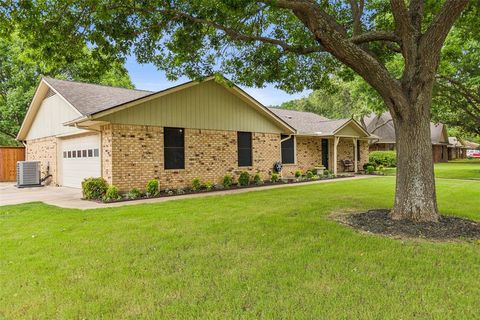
{"type": "Point", "coordinates": [296, 44]}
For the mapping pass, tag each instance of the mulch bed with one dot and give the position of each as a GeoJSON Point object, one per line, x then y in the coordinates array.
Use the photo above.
{"type": "Point", "coordinates": [378, 221]}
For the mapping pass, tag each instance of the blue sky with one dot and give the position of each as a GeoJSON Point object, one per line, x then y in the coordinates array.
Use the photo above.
{"type": "Point", "coordinates": [147, 77]}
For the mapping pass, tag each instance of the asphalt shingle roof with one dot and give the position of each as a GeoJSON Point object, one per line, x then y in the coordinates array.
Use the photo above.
{"type": "Point", "coordinates": [382, 126]}
{"type": "Point", "coordinates": [308, 122]}
{"type": "Point", "coordinates": [90, 98]}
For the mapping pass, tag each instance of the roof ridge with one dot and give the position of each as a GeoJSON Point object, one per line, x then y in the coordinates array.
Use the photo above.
{"type": "Point", "coordinates": [95, 84]}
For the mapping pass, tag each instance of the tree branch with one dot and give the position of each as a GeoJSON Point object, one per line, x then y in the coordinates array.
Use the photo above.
{"type": "Point", "coordinates": [375, 36]}
{"type": "Point", "coordinates": [432, 41]}
{"type": "Point", "coordinates": [236, 35]}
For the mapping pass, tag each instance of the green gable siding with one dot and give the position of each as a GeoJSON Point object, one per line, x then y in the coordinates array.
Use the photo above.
{"type": "Point", "coordinates": [350, 130]}
{"type": "Point", "coordinates": [207, 105]}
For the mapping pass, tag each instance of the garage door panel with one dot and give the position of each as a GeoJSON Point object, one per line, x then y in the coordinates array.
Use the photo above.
{"type": "Point", "coordinates": [80, 159]}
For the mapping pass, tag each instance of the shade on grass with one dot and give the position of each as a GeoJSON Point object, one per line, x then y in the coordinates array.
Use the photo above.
{"type": "Point", "coordinates": [457, 169]}
{"type": "Point", "coordinates": [265, 254]}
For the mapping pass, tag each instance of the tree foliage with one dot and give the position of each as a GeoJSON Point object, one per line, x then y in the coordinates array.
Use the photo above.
{"type": "Point", "coordinates": [22, 65]}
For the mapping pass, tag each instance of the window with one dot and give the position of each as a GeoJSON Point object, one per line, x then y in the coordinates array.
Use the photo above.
{"type": "Point", "coordinates": [288, 149]}
{"type": "Point", "coordinates": [69, 154]}
{"type": "Point", "coordinates": [90, 153]}
{"type": "Point", "coordinates": [74, 154]}
{"type": "Point", "coordinates": [64, 154]}
{"type": "Point", "coordinates": [95, 153]}
{"type": "Point", "coordinates": [174, 148]}
{"type": "Point", "coordinates": [79, 153]}
{"type": "Point", "coordinates": [358, 150]}
{"type": "Point", "coordinates": [244, 143]}
{"type": "Point", "coordinates": [84, 153]}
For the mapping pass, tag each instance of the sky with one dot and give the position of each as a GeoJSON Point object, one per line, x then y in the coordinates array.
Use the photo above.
{"type": "Point", "coordinates": [147, 77]}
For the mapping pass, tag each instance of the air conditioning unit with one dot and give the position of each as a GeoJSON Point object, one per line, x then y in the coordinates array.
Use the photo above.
{"type": "Point", "coordinates": [28, 174]}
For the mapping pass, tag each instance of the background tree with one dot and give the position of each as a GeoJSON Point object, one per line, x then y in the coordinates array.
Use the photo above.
{"type": "Point", "coordinates": [296, 44]}
{"type": "Point", "coordinates": [22, 66]}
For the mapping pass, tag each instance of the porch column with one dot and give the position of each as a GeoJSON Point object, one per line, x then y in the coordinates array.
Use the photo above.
{"type": "Point", "coordinates": [356, 154]}
{"type": "Point", "coordinates": [335, 144]}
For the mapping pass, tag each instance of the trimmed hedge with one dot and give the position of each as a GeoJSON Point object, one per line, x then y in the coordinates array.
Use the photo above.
{"type": "Point", "coordinates": [383, 158]}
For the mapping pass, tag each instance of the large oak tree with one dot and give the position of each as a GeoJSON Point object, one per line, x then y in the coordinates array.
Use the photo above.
{"type": "Point", "coordinates": [293, 43]}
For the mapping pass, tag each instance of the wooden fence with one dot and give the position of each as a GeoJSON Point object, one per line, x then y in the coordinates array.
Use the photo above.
{"type": "Point", "coordinates": [8, 162]}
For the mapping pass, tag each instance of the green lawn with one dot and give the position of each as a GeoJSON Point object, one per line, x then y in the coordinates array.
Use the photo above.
{"type": "Point", "coordinates": [269, 254]}
{"type": "Point", "coordinates": [458, 169]}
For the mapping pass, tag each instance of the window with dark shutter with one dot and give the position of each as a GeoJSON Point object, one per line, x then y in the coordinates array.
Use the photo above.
{"type": "Point", "coordinates": [244, 142]}
{"type": "Point", "coordinates": [288, 149]}
{"type": "Point", "coordinates": [174, 148]}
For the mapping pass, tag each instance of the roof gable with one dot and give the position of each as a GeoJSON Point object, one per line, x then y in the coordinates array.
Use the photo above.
{"type": "Point", "coordinates": [197, 105]}
{"type": "Point", "coordinates": [44, 91]}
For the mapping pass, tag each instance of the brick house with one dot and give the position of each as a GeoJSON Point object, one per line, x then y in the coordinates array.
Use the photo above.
{"type": "Point", "coordinates": [381, 126]}
{"type": "Point", "coordinates": [195, 130]}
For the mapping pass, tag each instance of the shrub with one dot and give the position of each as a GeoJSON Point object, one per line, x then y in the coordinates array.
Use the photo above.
{"type": "Point", "coordinates": [309, 174]}
{"type": "Point", "coordinates": [275, 177]}
{"type": "Point", "coordinates": [326, 172]}
{"type": "Point", "coordinates": [384, 158]}
{"type": "Point", "coordinates": [298, 174]}
{"type": "Point", "coordinates": [244, 179]}
{"type": "Point", "coordinates": [369, 164]}
{"type": "Point", "coordinates": [219, 186]}
{"type": "Point", "coordinates": [112, 194]}
{"type": "Point", "coordinates": [196, 184]}
{"type": "Point", "coordinates": [152, 188]}
{"type": "Point", "coordinates": [227, 181]}
{"type": "Point", "coordinates": [369, 169]}
{"type": "Point", "coordinates": [208, 186]}
{"type": "Point", "coordinates": [180, 191]}
{"type": "Point", "coordinates": [94, 188]}
{"type": "Point", "coordinates": [316, 177]}
{"type": "Point", "coordinates": [134, 194]}
{"type": "Point", "coordinates": [257, 179]}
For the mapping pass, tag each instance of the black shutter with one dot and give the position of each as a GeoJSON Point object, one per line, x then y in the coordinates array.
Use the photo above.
{"type": "Point", "coordinates": [174, 148]}
{"type": "Point", "coordinates": [288, 149]}
{"type": "Point", "coordinates": [244, 143]}
{"type": "Point", "coordinates": [358, 150]}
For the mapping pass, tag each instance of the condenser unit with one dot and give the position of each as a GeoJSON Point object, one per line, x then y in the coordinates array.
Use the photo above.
{"type": "Point", "coordinates": [28, 174]}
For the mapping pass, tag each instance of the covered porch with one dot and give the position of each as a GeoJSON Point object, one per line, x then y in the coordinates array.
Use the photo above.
{"type": "Point", "coordinates": [343, 146]}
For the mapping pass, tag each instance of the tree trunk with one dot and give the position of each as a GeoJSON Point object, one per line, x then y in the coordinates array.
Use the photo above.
{"type": "Point", "coordinates": [415, 197]}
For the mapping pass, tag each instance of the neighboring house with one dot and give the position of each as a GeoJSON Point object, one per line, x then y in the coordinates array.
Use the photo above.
{"type": "Point", "coordinates": [473, 149]}
{"type": "Point", "coordinates": [195, 130]}
{"type": "Point", "coordinates": [456, 150]}
{"type": "Point", "coordinates": [382, 127]}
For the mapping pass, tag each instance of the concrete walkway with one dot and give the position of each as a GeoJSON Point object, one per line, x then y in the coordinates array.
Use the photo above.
{"type": "Point", "coordinates": [65, 197]}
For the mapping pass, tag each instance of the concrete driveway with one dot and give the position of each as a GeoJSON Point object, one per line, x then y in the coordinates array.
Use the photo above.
{"type": "Point", "coordinates": [65, 197]}
{"type": "Point", "coordinates": [59, 196]}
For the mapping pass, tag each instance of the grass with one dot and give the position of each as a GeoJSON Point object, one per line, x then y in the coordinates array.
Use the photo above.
{"type": "Point", "coordinates": [266, 254]}
{"type": "Point", "coordinates": [457, 169]}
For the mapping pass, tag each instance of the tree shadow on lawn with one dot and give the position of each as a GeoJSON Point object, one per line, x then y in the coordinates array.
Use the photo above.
{"type": "Point", "coordinates": [378, 221]}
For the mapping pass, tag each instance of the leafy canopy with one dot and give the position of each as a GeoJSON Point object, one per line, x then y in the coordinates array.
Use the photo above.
{"type": "Point", "coordinates": [22, 64]}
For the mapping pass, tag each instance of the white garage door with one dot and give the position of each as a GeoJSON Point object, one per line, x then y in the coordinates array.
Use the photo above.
{"type": "Point", "coordinates": [80, 160]}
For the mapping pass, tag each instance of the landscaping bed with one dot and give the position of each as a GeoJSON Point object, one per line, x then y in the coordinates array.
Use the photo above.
{"type": "Point", "coordinates": [214, 188]}
{"type": "Point", "coordinates": [378, 221]}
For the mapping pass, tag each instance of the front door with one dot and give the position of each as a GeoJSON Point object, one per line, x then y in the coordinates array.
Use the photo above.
{"type": "Point", "coordinates": [325, 153]}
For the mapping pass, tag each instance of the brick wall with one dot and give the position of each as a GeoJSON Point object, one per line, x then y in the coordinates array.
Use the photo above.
{"type": "Point", "coordinates": [309, 155]}
{"type": "Point", "coordinates": [45, 151]}
{"type": "Point", "coordinates": [440, 153]}
{"type": "Point", "coordinates": [132, 155]}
